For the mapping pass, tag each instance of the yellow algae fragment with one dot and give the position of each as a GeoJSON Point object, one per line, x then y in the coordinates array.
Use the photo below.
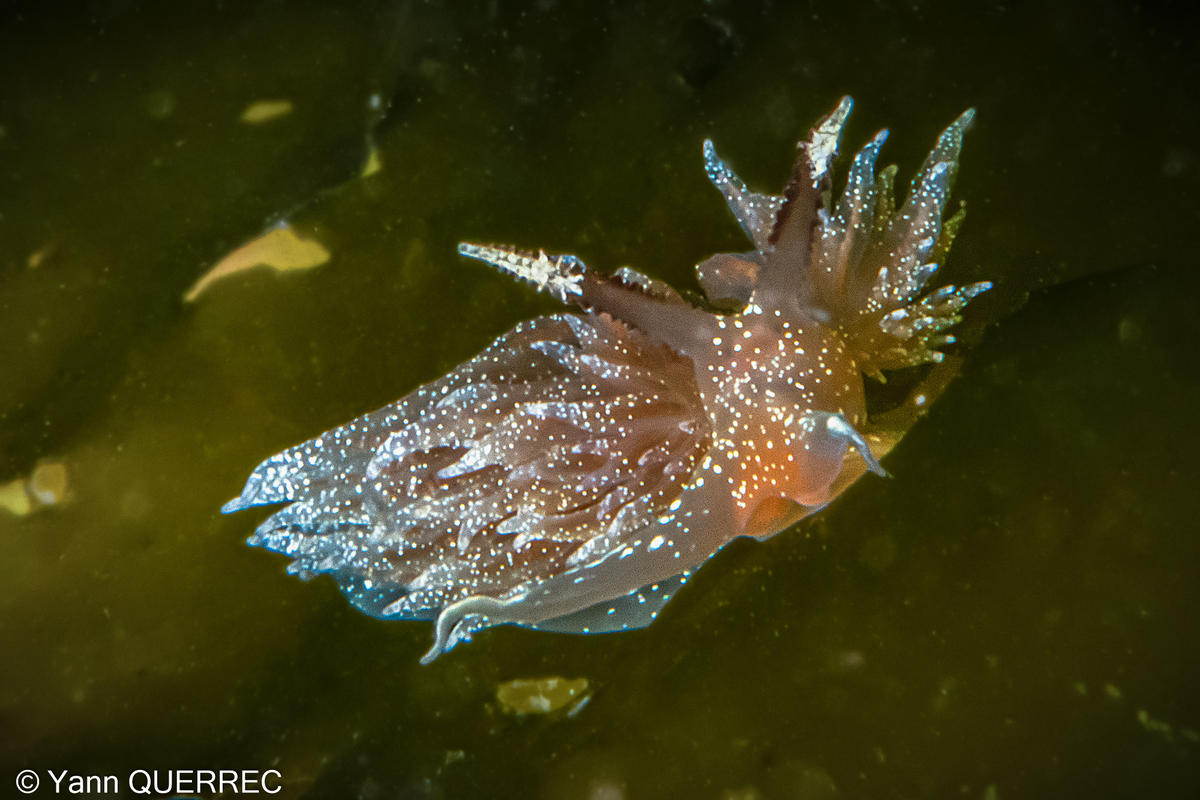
{"type": "Point", "coordinates": [48, 483]}
{"type": "Point", "coordinates": [39, 256]}
{"type": "Point", "coordinates": [373, 163]}
{"type": "Point", "coordinates": [279, 248]}
{"type": "Point", "coordinates": [265, 110]}
{"type": "Point", "coordinates": [541, 695]}
{"type": "Point", "coordinates": [14, 499]}
{"type": "Point", "coordinates": [46, 486]}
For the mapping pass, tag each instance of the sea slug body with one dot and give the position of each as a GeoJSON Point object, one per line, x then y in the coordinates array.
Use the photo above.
{"type": "Point", "coordinates": [574, 474]}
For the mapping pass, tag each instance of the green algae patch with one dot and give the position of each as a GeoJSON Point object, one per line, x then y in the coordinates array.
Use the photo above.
{"type": "Point", "coordinates": [542, 695]}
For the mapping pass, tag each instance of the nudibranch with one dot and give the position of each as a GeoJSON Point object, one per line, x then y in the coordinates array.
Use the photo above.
{"type": "Point", "coordinates": [574, 474]}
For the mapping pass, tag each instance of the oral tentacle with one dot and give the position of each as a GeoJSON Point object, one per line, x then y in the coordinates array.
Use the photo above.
{"type": "Point", "coordinates": [669, 320]}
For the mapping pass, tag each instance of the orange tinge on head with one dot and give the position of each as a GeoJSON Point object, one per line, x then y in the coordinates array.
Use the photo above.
{"type": "Point", "coordinates": [775, 483]}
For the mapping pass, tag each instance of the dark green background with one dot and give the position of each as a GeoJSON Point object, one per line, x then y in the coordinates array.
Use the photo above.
{"type": "Point", "coordinates": [1012, 616]}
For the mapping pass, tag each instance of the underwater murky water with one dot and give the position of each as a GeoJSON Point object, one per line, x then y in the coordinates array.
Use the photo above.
{"type": "Point", "coordinates": [1010, 616]}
